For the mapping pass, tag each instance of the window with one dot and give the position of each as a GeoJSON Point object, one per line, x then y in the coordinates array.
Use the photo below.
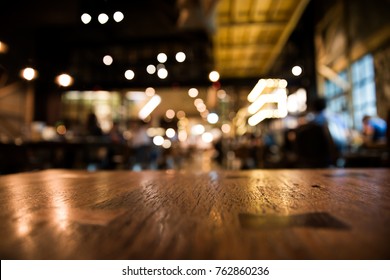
{"type": "Point", "coordinates": [363, 89]}
{"type": "Point", "coordinates": [76, 105]}
{"type": "Point", "coordinates": [363, 93]}
{"type": "Point", "coordinates": [337, 100]}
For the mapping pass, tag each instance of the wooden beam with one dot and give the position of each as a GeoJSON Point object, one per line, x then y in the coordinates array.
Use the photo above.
{"type": "Point", "coordinates": [286, 33]}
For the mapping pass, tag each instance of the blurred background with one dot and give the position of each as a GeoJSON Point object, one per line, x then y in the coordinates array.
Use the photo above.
{"type": "Point", "coordinates": [194, 84]}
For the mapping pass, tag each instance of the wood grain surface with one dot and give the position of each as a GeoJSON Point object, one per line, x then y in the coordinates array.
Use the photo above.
{"type": "Point", "coordinates": [259, 214]}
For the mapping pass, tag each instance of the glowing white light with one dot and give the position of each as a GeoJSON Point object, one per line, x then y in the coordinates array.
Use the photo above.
{"type": "Point", "coordinates": [277, 96]}
{"type": "Point", "coordinates": [271, 83]}
{"type": "Point", "coordinates": [135, 95]}
{"type": "Point", "coordinates": [158, 140]}
{"type": "Point", "coordinates": [197, 129]}
{"type": "Point", "coordinates": [49, 133]}
{"type": "Point", "coordinates": [107, 60]}
{"type": "Point", "coordinates": [182, 135]}
{"type": "Point", "coordinates": [162, 57]}
{"type": "Point", "coordinates": [214, 76]}
{"type": "Point", "coordinates": [170, 114]}
{"type": "Point", "coordinates": [296, 70]}
{"type": "Point", "coordinates": [260, 113]}
{"type": "Point", "coordinates": [201, 107]}
{"type": "Point", "coordinates": [118, 16]}
{"type": "Point", "coordinates": [296, 102]}
{"type": "Point", "coordinates": [154, 131]}
{"type": "Point", "coordinates": [257, 90]}
{"type": "Point", "coordinates": [193, 92]}
{"type": "Point", "coordinates": [170, 133]}
{"type": "Point", "coordinates": [283, 83]}
{"type": "Point", "coordinates": [64, 80]}
{"type": "Point", "coordinates": [292, 103]}
{"type": "Point", "coordinates": [151, 132]}
{"type": "Point", "coordinates": [150, 91]}
{"type": "Point", "coordinates": [162, 73]}
{"type": "Point", "coordinates": [129, 74]}
{"type": "Point", "coordinates": [198, 101]}
{"type": "Point", "coordinates": [255, 106]}
{"type": "Point", "coordinates": [149, 107]}
{"type": "Point", "coordinates": [180, 57]}
{"type": "Point", "coordinates": [259, 117]}
{"type": "Point", "coordinates": [151, 69]}
{"type": "Point", "coordinates": [29, 73]}
{"type": "Point", "coordinates": [167, 144]}
{"type": "Point", "coordinates": [212, 118]}
{"type": "Point", "coordinates": [103, 18]}
{"type": "Point", "coordinates": [207, 137]}
{"type": "Point", "coordinates": [86, 18]}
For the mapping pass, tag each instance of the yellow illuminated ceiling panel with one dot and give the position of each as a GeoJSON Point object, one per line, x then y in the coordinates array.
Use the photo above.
{"type": "Point", "coordinates": [251, 34]}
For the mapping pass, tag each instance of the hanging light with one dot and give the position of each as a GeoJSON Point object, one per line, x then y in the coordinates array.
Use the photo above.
{"type": "Point", "coordinates": [149, 107]}
{"type": "Point", "coordinates": [180, 57]}
{"type": "Point", "coordinates": [29, 73]}
{"type": "Point", "coordinates": [86, 18]}
{"type": "Point", "coordinates": [107, 60]}
{"type": "Point", "coordinates": [103, 18]}
{"type": "Point", "coordinates": [64, 80]}
{"type": "Point", "coordinates": [296, 70]}
{"type": "Point", "coordinates": [212, 118]}
{"type": "Point", "coordinates": [129, 74]}
{"type": "Point", "coordinates": [162, 57]}
{"type": "Point", "coordinates": [162, 73]}
{"type": "Point", "coordinates": [118, 16]}
{"type": "Point", "coordinates": [214, 76]}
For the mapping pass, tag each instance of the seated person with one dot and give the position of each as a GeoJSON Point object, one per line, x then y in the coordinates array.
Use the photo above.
{"type": "Point", "coordinates": [374, 130]}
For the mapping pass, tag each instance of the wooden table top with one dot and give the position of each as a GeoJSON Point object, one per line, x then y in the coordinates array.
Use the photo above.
{"type": "Point", "coordinates": [257, 214]}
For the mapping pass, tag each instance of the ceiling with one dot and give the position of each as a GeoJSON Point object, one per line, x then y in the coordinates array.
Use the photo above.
{"type": "Point", "coordinates": [250, 34]}
{"type": "Point", "coordinates": [238, 38]}
{"type": "Point", "coordinates": [241, 39]}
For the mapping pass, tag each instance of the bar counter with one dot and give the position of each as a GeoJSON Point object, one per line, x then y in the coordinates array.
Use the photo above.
{"type": "Point", "coordinates": [256, 214]}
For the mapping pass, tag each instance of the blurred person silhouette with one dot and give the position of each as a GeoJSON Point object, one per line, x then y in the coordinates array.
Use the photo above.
{"type": "Point", "coordinates": [116, 152]}
{"type": "Point", "coordinates": [93, 127]}
{"type": "Point", "coordinates": [374, 130]}
{"type": "Point", "coordinates": [338, 129]}
{"type": "Point", "coordinates": [315, 145]}
{"type": "Point", "coordinates": [3, 76]}
{"type": "Point", "coordinates": [95, 156]}
{"type": "Point", "coordinates": [115, 135]}
{"type": "Point", "coordinates": [141, 144]}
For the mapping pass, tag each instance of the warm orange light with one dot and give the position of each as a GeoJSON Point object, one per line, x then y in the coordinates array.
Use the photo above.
{"type": "Point", "coordinates": [150, 91]}
{"type": "Point", "coordinates": [3, 47]}
{"type": "Point", "coordinates": [61, 129]}
{"type": "Point", "coordinates": [180, 114]}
